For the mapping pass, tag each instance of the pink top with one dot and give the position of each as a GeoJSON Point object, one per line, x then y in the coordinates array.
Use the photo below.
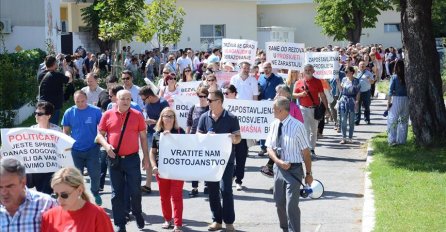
{"type": "Point", "coordinates": [295, 112]}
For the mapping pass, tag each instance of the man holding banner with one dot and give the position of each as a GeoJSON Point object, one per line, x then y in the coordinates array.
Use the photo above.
{"type": "Point", "coordinates": [218, 120]}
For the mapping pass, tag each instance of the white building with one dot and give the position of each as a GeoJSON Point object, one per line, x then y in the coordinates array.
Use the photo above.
{"type": "Point", "coordinates": [31, 23]}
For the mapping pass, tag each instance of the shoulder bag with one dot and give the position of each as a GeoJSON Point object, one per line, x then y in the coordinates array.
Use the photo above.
{"type": "Point", "coordinates": [319, 110]}
{"type": "Point", "coordinates": [114, 162]}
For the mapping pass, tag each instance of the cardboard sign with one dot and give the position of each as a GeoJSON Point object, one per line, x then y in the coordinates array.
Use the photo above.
{"type": "Point", "coordinates": [285, 55]}
{"type": "Point", "coordinates": [254, 116]}
{"type": "Point", "coordinates": [188, 88]}
{"type": "Point", "coordinates": [239, 50]}
{"type": "Point", "coordinates": [224, 78]}
{"type": "Point", "coordinates": [40, 150]}
{"type": "Point", "coordinates": [326, 64]}
{"type": "Point", "coordinates": [182, 105]}
{"type": "Point", "coordinates": [194, 157]}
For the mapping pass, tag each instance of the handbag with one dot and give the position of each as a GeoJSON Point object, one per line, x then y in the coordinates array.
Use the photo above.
{"type": "Point", "coordinates": [319, 110]}
{"type": "Point", "coordinates": [114, 162]}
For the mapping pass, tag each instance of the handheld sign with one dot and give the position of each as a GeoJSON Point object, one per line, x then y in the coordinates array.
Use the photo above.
{"type": "Point", "coordinates": [239, 50]}
{"type": "Point", "coordinates": [201, 157]}
{"type": "Point", "coordinates": [326, 64]}
{"type": "Point", "coordinates": [182, 105]}
{"type": "Point", "coordinates": [284, 55]}
{"type": "Point", "coordinates": [188, 88]}
{"type": "Point", "coordinates": [40, 150]}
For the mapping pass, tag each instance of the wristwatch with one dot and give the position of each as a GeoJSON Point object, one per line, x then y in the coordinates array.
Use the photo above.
{"type": "Point", "coordinates": [308, 173]}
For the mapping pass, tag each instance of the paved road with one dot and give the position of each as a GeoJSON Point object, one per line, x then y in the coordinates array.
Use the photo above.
{"type": "Point", "coordinates": [341, 170]}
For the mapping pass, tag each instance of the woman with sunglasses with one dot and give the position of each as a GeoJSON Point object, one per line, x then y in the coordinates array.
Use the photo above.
{"type": "Point", "coordinates": [348, 102]}
{"type": "Point", "coordinates": [187, 75]}
{"type": "Point", "coordinates": [44, 111]}
{"type": "Point", "coordinates": [192, 123]}
{"type": "Point", "coordinates": [231, 92]}
{"type": "Point", "coordinates": [171, 191]}
{"type": "Point", "coordinates": [170, 89]}
{"type": "Point", "coordinates": [210, 81]}
{"type": "Point", "coordinates": [75, 211]}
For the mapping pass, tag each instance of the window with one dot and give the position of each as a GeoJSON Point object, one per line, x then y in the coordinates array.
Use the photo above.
{"type": "Point", "coordinates": [211, 36]}
{"type": "Point", "coordinates": [392, 27]}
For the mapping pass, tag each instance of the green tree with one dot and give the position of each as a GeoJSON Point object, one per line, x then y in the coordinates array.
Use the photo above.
{"type": "Point", "coordinates": [439, 18]}
{"type": "Point", "coordinates": [345, 19]}
{"type": "Point", "coordinates": [91, 18]}
{"type": "Point", "coordinates": [165, 21]}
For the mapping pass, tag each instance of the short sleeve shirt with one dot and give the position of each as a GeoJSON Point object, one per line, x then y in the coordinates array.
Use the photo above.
{"type": "Point", "coordinates": [314, 85]}
{"type": "Point", "coordinates": [246, 89]}
{"type": "Point", "coordinates": [112, 122]}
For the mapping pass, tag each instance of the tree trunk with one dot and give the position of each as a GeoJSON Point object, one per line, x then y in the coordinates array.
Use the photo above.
{"type": "Point", "coordinates": [354, 35]}
{"type": "Point", "coordinates": [422, 71]}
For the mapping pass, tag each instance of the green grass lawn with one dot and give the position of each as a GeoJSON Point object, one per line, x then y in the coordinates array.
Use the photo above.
{"type": "Point", "coordinates": [409, 184]}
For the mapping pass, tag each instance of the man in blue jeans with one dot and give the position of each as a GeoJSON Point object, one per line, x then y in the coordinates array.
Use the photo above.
{"type": "Point", "coordinates": [218, 120]}
{"type": "Point", "coordinates": [81, 122]}
{"type": "Point", "coordinates": [124, 165]}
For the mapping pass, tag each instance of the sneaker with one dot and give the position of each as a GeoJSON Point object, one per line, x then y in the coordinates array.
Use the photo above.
{"type": "Point", "coordinates": [263, 152]}
{"type": "Point", "coordinates": [146, 189]}
{"type": "Point", "coordinates": [167, 225]}
{"type": "Point", "coordinates": [193, 193]}
{"type": "Point", "coordinates": [205, 190]}
{"type": "Point", "coordinates": [98, 199]}
{"type": "Point", "coordinates": [344, 141]}
{"type": "Point", "coordinates": [230, 227]}
{"type": "Point", "coordinates": [85, 173]}
{"type": "Point", "coordinates": [350, 140]}
{"type": "Point", "coordinates": [177, 229]}
{"type": "Point", "coordinates": [314, 157]}
{"type": "Point", "coordinates": [238, 187]}
{"type": "Point", "coordinates": [215, 226]}
{"type": "Point", "coordinates": [140, 221]}
{"type": "Point", "coordinates": [101, 189]}
{"type": "Point", "coordinates": [128, 217]}
{"type": "Point", "coordinates": [266, 172]}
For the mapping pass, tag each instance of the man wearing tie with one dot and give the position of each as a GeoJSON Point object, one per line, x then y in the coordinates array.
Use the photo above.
{"type": "Point", "coordinates": [288, 146]}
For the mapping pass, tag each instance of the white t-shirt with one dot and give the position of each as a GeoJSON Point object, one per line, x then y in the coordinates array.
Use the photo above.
{"type": "Point", "coordinates": [184, 63]}
{"type": "Point", "coordinates": [92, 96]}
{"type": "Point", "coordinates": [246, 89]}
{"type": "Point", "coordinates": [135, 95]}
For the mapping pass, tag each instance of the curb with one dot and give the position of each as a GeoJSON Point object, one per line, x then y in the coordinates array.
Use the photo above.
{"type": "Point", "coordinates": [368, 212]}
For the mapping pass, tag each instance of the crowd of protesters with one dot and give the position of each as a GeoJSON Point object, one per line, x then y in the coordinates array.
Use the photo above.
{"type": "Point", "coordinates": [100, 116]}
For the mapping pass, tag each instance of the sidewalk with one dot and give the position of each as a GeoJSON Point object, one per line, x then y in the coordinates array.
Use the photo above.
{"type": "Point", "coordinates": [340, 169]}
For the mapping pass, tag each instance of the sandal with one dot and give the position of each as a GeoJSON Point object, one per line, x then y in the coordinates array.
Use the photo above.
{"type": "Point", "coordinates": [167, 225]}
{"type": "Point", "coordinates": [146, 189]}
{"type": "Point", "coordinates": [177, 229]}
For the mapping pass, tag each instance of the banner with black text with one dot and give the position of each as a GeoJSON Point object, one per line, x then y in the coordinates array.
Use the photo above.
{"type": "Point", "coordinates": [182, 105]}
{"type": "Point", "coordinates": [194, 157]}
{"type": "Point", "coordinates": [239, 50]}
{"type": "Point", "coordinates": [326, 64]}
{"type": "Point", "coordinates": [283, 55]}
{"type": "Point", "coordinates": [40, 150]}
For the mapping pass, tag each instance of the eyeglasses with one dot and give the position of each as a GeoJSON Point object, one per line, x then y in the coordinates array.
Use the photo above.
{"type": "Point", "coordinates": [202, 96]}
{"type": "Point", "coordinates": [38, 113]}
{"type": "Point", "coordinates": [210, 80]}
{"type": "Point", "coordinates": [212, 100]}
{"type": "Point", "coordinates": [169, 116]}
{"type": "Point", "coordinates": [62, 195]}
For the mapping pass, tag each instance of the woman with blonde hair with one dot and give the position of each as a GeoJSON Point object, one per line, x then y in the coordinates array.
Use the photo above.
{"type": "Point", "coordinates": [171, 191]}
{"type": "Point", "coordinates": [75, 210]}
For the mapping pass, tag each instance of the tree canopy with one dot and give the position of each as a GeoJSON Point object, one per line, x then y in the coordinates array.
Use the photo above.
{"type": "Point", "coordinates": [345, 19]}
{"type": "Point", "coordinates": [165, 21]}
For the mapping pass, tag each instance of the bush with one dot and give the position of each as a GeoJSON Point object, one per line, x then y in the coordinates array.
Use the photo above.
{"type": "Point", "coordinates": [18, 82]}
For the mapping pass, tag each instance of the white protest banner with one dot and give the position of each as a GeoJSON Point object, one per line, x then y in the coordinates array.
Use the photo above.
{"type": "Point", "coordinates": [188, 88]}
{"type": "Point", "coordinates": [181, 105]}
{"type": "Point", "coordinates": [224, 78]}
{"type": "Point", "coordinates": [254, 117]}
{"type": "Point", "coordinates": [284, 55]}
{"type": "Point", "coordinates": [326, 64]}
{"type": "Point", "coordinates": [239, 50]}
{"type": "Point", "coordinates": [201, 157]}
{"type": "Point", "coordinates": [40, 150]}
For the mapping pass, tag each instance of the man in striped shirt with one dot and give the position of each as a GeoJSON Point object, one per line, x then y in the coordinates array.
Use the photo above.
{"type": "Point", "coordinates": [21, 209]}
{"type": "Point", "coordinates": [288, 146]}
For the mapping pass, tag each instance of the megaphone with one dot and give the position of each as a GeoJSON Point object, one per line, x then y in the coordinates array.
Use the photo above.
{"type": "Point", "coordinates": [314, 191]}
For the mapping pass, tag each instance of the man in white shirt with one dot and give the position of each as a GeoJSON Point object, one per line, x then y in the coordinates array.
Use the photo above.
{"type": "Point", "coordinates": [92, 89]}
{"type": "Point", "coordinates": [247, 86]}
{"type": "Point", "coordinates": [183, 62]}
{"type": "Point", "coordinates": [127, 79]}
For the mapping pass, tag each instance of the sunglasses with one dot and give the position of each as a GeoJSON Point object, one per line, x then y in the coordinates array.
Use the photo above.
{"type": "Point", "coordinates": [38, 113]}
{"type": "Point", "coordinates": [210, 80]}
{"type": "Point", "coordinates": [212, 100]}
{"type": "Point", "coordinates": [202, 96]}
{"type": "Point", "coordinates": [126, 78]}
{"type": "Point", "coordinates": [62, 195]}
